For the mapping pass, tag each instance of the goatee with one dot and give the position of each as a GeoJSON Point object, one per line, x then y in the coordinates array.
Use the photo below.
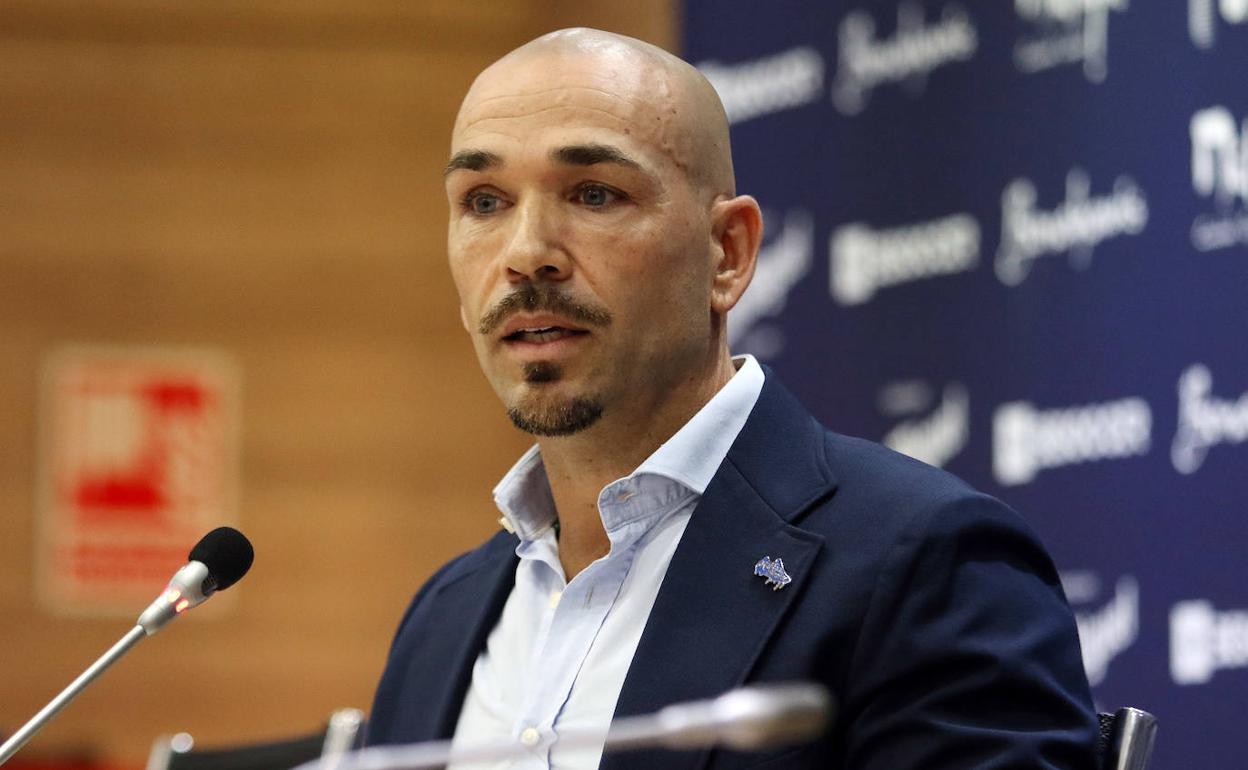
{"type": "Point", "coordinates": [558, 419]}
{"type": "Point", "coordinates": [561, 419]}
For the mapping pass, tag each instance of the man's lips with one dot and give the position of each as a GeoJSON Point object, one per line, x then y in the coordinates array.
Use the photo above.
{"type": "Point", "coordinates": [539, 329]}
{"type": "Point", "coordinates": [542, 336]}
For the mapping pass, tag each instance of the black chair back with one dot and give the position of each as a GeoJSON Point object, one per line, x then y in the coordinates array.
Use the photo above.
{"type": "Point", "coordinates": [342, 733]}
{"type": "Point", "coordinates": [1126, 740]}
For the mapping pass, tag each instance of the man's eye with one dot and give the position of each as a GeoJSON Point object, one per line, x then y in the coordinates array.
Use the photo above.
{"type": "Point", "coordinates": [595, 195]}
{"type": "Point", "coordinates": [482, 203]}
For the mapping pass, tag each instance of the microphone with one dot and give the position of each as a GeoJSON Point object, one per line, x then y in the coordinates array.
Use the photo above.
{"type": "Point", "coordinates": [749, 718]}
{"type": "Point", "coordinates": [217, 562]}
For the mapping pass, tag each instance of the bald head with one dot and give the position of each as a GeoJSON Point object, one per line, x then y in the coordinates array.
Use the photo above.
{"type": "Point", "coordinates": [657, 98]}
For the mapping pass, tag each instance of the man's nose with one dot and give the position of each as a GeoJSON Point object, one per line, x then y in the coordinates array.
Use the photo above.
{"type": "Point", "coordinates": [535, 251]}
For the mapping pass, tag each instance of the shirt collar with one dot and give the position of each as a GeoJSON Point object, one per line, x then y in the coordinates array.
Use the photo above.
{"type": "Point", "coordinates": [691, 456]}
{"type": "Point", "coordinates": [695, 452]}
{"type": "Point", "coordinates": [524, 497]}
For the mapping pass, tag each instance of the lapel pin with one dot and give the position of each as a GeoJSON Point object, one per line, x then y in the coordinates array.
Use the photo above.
{"type": "Point", "coordinates": [773, 571]}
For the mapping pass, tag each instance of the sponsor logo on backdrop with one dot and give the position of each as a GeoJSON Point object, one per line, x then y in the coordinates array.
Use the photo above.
{"type": "Point", "coordinates": [1202, 18]}
{"type": "Point", "coordinates": [769, 84]}
{"type": "Point", "coordinates": [1220, 172]}
{"type": "Point", "coordinates": [863, 260]}
{"type": "Point", "coordinates": [1205, 420]}
{"type": "Point", "coordinates": [1074, 228]}
{"type": "Point", "coordinates": [916, 48]}
{"type": "Point", "coordinates": [1027, 440]}
{"type": "Point", "coordinates": [1066, 32]}
{"type": "Point", "coordinates": [1204, 640]}
{"type": "Point", "coordinates": [1107, 631]}
{"type": "Point", "coordinates": [934, 438]}
{"type": "Point", "coordinates": [782, 263]}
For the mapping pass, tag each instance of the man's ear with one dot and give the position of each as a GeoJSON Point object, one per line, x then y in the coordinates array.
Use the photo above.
{"type": "Point", "coordinates": [736, 232]}
{"type": "Point", "coordinates": [463, 318]}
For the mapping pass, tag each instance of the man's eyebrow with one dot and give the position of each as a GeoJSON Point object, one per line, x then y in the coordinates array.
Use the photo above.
{"type": "Point", "coordinates": [592, 154]}
{"type": "Point", "coordinates": [472, 160]}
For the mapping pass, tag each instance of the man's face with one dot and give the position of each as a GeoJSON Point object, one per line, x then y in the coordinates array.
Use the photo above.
{"type": "Point", "coordinates": [579, 247]}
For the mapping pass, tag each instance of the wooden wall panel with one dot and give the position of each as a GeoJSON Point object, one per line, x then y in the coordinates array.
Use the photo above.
{"type": "Point", "coordinates": [260, 178]}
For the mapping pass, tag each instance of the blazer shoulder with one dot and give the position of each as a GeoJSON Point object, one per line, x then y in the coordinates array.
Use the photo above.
{"type": "Point", "coordinates": [500, 545]}
{"type": "Point", "coordinates": [874, 476]}
{"type": "Point", "coordinates": [869, 466]}
{"type": "Point", "coordinates": [885, 500]}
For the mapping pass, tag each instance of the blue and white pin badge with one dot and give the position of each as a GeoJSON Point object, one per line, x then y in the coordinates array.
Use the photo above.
{"type": "Point", "coordinates": [773, 570]}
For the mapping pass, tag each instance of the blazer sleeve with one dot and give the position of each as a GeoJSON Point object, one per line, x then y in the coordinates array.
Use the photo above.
{"type": "Point", "coordinates": [968, 656]}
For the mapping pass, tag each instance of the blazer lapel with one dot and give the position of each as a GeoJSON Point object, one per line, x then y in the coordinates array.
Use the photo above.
{"type": "Point", "coordinates": [461, 616]}
{"type": "Point", "coordinates": [713, 616]}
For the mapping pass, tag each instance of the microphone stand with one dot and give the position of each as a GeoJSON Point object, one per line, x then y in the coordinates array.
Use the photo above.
{"type": "Point", "coordinates": [190, 586]}
{"type": "Point", "coordinates": [19, 738]}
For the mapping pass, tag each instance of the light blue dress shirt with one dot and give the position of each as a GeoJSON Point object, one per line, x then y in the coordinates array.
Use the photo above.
{"type": "Point", "coordinates": [559, 654]}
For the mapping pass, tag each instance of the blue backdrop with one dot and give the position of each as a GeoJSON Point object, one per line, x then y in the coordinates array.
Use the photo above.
{"type": "Point", "coordinates": [1011, 239]}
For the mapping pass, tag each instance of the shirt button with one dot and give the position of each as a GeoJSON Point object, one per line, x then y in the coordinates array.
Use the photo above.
{"type": "Point", "coordinates": [530, 737]}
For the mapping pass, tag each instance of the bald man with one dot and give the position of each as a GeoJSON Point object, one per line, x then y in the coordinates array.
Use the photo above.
{"type": "Point", "coordinates": [683, 525]}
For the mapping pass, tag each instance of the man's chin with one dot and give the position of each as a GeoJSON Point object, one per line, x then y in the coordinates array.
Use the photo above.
{"type": "Point", "coordinates": [562, 417]}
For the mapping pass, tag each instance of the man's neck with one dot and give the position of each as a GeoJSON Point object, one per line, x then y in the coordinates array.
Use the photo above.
{"type": "Point", "coordinates": [579, 466]}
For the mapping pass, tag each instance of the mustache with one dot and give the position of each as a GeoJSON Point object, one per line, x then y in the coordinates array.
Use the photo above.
{"type": "Point", "coordinates": [545, 299]}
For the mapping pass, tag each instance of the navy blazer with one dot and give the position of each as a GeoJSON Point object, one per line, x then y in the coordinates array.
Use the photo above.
{"type": "Point", "coordinates": [930, 611]}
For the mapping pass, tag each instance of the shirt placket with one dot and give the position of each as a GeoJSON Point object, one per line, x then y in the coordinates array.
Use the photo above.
{"type": "Point", "coordinates": [575, 617]}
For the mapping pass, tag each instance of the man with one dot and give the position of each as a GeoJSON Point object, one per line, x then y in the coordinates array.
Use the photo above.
{"type": "Point", "coordinates": [597, 243]}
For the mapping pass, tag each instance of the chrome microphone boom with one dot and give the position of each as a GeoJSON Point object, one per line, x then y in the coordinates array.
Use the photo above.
{"type": "Point", "coordinates": [27, 731]}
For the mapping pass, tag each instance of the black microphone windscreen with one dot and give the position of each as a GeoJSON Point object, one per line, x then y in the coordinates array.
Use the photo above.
{"type": "Point", "coordinates": [227, 553]}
